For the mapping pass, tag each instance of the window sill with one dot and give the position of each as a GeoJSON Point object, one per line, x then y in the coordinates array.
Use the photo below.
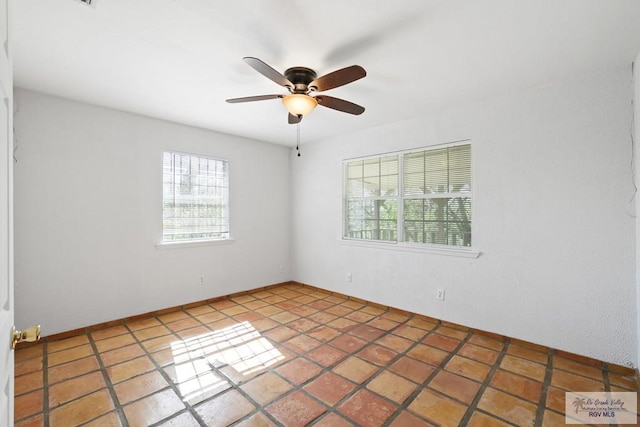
{"type": "Point", "coordinates": [449, 251]}
{"type": "Point", "coordinates": [193, 243]}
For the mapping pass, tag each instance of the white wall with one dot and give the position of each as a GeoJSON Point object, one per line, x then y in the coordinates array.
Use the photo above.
{"type": "Point", "coordinates": [88, 189]}
{"type": "Point", "coordinates": [553, 219]}
{"type": "Point", "coordinates": [636, 134]}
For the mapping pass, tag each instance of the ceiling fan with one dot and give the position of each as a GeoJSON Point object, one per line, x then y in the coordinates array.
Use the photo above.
{"type": "Point", "coordinates": [301, 82]}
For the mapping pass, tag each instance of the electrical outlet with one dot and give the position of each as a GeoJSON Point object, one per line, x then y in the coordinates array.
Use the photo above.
{"type": "Point", "coordinates": [282, 269]}
{"type": "Point", "coordinates": [349, 278]}
{"type": "Point", "coordinates": [440, 294]}
{"type": "Point", "coordinates": [202, 280]}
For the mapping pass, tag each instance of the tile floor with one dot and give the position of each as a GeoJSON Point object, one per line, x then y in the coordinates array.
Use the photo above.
{"type": "Point", "coordinates": [293, 355]}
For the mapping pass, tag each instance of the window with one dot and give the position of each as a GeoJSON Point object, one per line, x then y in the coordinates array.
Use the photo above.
{"type": "Point", "coordinates": [195, 198]}
{"type": "Point", "coordinates": [419, 197]}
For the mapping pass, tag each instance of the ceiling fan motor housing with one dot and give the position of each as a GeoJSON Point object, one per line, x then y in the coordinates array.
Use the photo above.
{"type": "Point", "coordinates": [300, 77]}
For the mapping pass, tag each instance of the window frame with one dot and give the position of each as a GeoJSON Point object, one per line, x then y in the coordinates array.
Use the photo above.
{"type": "Point", "coordinates": [400, 197]}
{"type": "Point", "coordinates": [227, 205]}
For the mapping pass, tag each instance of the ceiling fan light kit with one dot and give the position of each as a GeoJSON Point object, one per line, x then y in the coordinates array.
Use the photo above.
{"type": "Point", "coordinates": [299, 104]}
{"type": "Point", "coordinates": [301, 82]}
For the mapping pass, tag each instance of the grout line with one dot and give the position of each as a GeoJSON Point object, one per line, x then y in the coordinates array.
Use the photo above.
{"type": "Point", "coordinates": [45, 385]}
{"type": "Point", "coordinates": [542, 401]}
{"type": "Point", "coordinates": [107, 380]}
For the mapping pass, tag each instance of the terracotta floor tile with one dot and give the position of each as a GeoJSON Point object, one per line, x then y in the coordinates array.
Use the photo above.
{"type": "Point", "coordinates": [326, 355]}
{"type": "Point", "coordinates": [190, 333]}
{"type": "Point", "coordinates": [507, 407]}
{"type": "Point", "coordinates": [428, 354]}
{"type": "Point", "coordinates": [66, 391]}
{"type": "Point", "coordinates": [517, 385]}
{"type": "Point", "coordinates": [451, 333]}
{"type": "Point", "coordinates": [468, 368]}
{"type": "Point", "coordinates": [407, 419]}
{"type": "Point", "coordinates": [28, 404]}
{"type": "Point", "coordinates": [392, 386]}
{"type": "Point", "coordinates": [304, 310]}
{"type": "Point", "coordinates": [143, 323]}
{"type": "Point", "coordinates": [248, 316]}
{"type": "Point", "coordinates": [35, 421]}
{"type": "Point", "coordinates": [421, 323]}
{"type": "Point", "coordinates": [305, 299]}
{"type": "Point", "coordinates": [484, 341]}
{"type": "Point", "coordinates": [72, 369]}
{"type": "Point", "coordinates": [173, 316]}
{"type": "Point", "coordinates": [359, 316]}
{"type": "Point", "coordinates": [255, 304]}
{"type": "Point", "coordinates": [131, 368]}
{"type": "Point", "coordinates": [412, 369]}
{"type": "Point", "coordinates": [355, 369]}
{"type": "Point", "coordinates": [206, 308]}
{"type": "Point", "coordinates": [113, 331]}
{"type": "Point", "coordinates": [352, 304]}
{"type": "Point", "coordinates": [455, 386]}
{"type": "Point", "coordinates": [110, 419]}
{"type": "Point", "coordinates": [332, 420]}
{"type": "Point", "coordinates": [367, 409]}
{"type": "Point", "coordinates": [556, 399]}
{"type": "Point", "coordinates": [572, 382]}
{"type": "Point", "coordinates": [160, 343]}
{"type": "Point", "coordinates": [114, 342]}
{"type": "Point", "coordinates": [323, 317]}
{"type": "Point", "coordinates": [341, 324]}
{"type": "Point", "coordinates": [481, 354]}
{"type": "Point", "coordinates": [302, 325]}
{"type": "Point", "coordinates": [269, 310]}
{"type": "Point", "coordinates": [524, 367]}
{"type": "Point", "coordinates": [121, 354]}
{"type": "Point", "coordinates": [377, 354]}
{"type": "Point", "coordinates": [478, 419]}
{"type": "Point", "coordinates": [395, 315]}
{"type": "Point", "coordinates": [528, 353]}
{"type": "Point", "coordinates": [410, 332]}
{"type": "Point", "coordinates": [366, 332]}
{"type": "Point", "coordinates": [154, 332]}
{"type": "Point", "coordinates": [348, 343]}
{"type": "Point", "coordinates": [266, 388]}
{"type": "Point", "coordinates": [321, 304]}
{"type": "Point", "coordinates": [441, 341]}
{"type": "Point", "coordinates": [82, 410]}
{"type": "Point", "coordinates": [284, 317]}
{"type": "Point", "coordinates": [139, 386]}
{"type": "Point", "coordinates": [552, 419]}
{"type": "Point", "coordinates": [323, 333]}
{"type": "Point", "coordinates": [329, 388]}
{"type": "Point", "coordinates": [339, 310]}
{"type": "Point", "coordinates": [232, 311]}
{"type": "Point", "coordinates": [241, 299]}
{"type": "Point", "coordinates": [625, 381]}
{"type": "Point", "coordinates": [182, 324]}
{"type": "Point", "coordinates": [163, 357]}
{"type": "Point", "coordinates": [281, 333]}
{"type": "Point", "coordinates": [26, 366]}
{"type": "Point", "coordinates": [24, 353]}
{"type": "Point", "coordinates": [299, 370]}
{"type": "Point", "coordinates": [376, 311]}
{"type": "Point", "coordinates": [153, 408]}
{"type": "Point", "coordinates": [257, 420]}
{"type": "Point", "coordinates": [65, 356]}
{"type": "Point", "coordinates": [28, 382]}
{"type": "Point", "coordinates": [264, 324]}
{"type": "Point", "coordinates": [437, 408]}
{"type": "Point", "coordinates": [200, 388]}
{"type": "Point", "coordinates": [296, 409]}
{"type": "Point", "coordinates": [395, 343]}
{"type": "Point", "coordinates": [64, 344]}
{"type": "Point", "coordinates": [302, 343]}
{"type": "Point", "coordinates": [577, 368]}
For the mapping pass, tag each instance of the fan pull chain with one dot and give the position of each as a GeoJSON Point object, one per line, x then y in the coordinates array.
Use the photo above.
{"type": "Point", "coordinates": [298, 140]}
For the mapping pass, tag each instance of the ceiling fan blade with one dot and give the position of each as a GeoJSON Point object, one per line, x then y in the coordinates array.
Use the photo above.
{"type": "Point", "coordinates": [294, 119]}
{"type": "Point", "coordinates": [267, 71]}
{"type": "Point", "coordinates": [338, 78]}
{"type": "Point", "coordinates": [339, 104]}
{"type": "Point", "coordinates": [253, 98]}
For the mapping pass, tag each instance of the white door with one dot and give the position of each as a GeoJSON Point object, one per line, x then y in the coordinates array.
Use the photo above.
{"type": "Point", "coordinates": [6, 221]}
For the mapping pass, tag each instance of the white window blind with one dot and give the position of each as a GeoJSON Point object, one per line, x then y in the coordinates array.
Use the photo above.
{"type": "Point", "coordinates": [413, 197]}
{"type": "Point", "coordinates": [195, 198]}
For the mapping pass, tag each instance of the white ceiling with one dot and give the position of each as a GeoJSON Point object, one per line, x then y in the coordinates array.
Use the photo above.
{"type": "Point", "coordinates": [179, 60]}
